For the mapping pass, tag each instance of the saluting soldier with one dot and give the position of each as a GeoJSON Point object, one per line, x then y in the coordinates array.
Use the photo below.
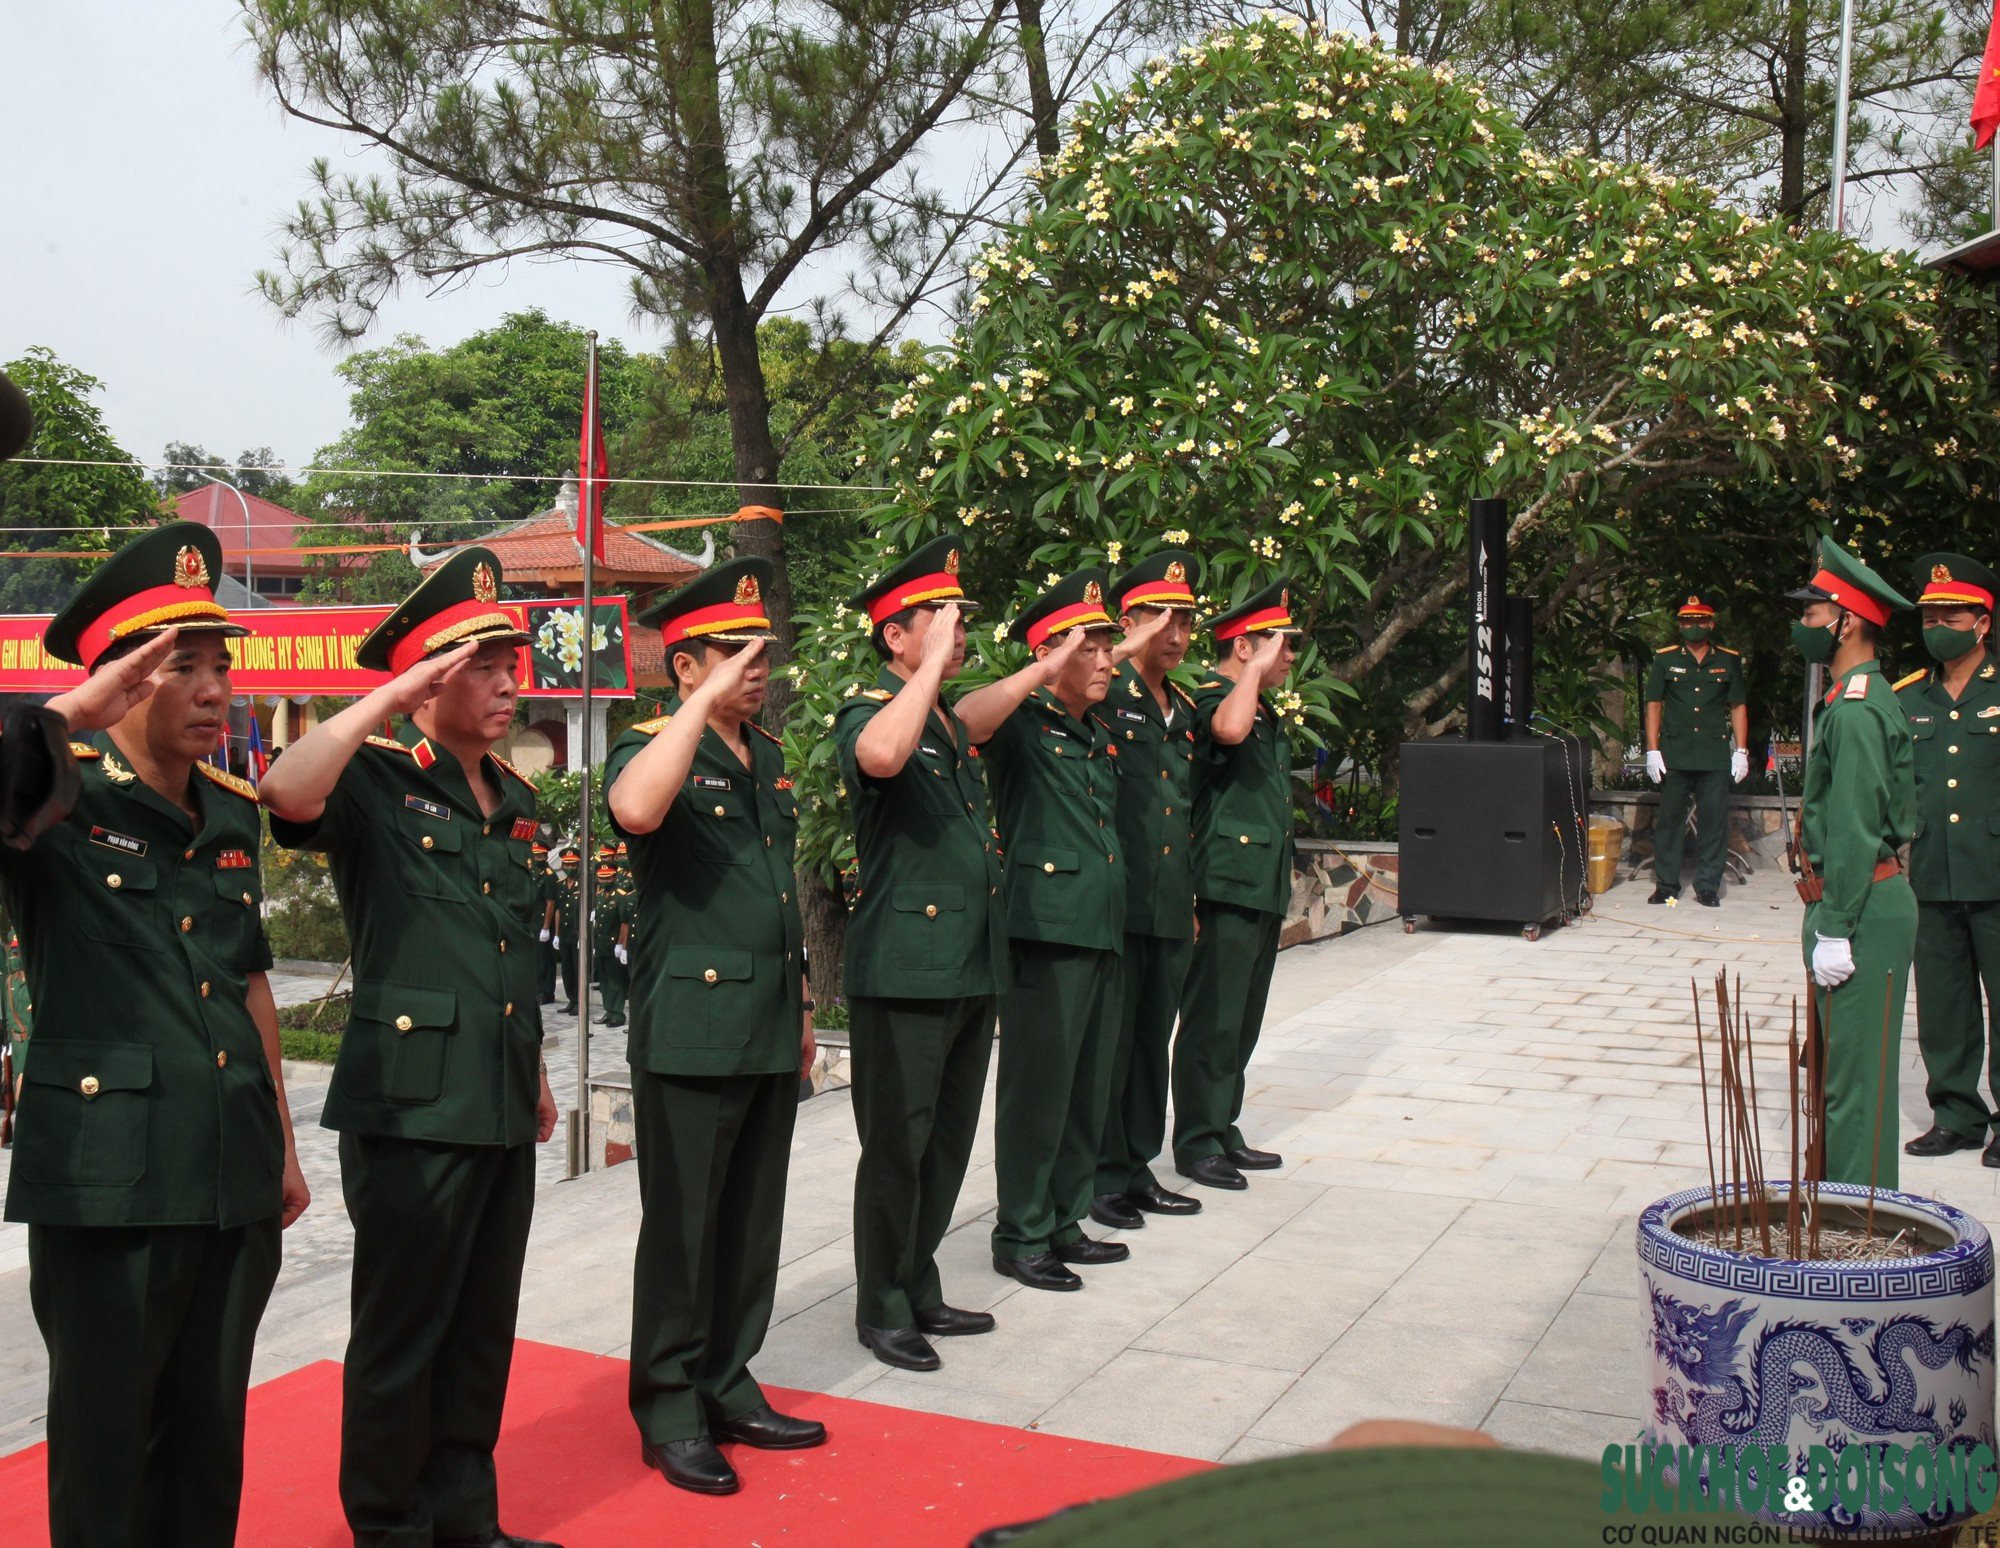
{"type": "Point", "coordinates": [1055, 809]}
{"type": "Point", "coordinates": [545, 922]}
{"type": "Point", "coordinates": [1857, 810]}
{"type": "Point", "coordinates": [1954, 714]}
{"type": "Point", "coordinates": [925, 956]}
{"type": "Point", "coordinates": [439, 1093]}
{"type": "Point", "coordinates": [1242, 884]}
{"type": "Point", "coordinates": [608, 917]}
{"type": "Point", "coordinates": [1151, 724]}
{"type": "Point", "coordinates": [1695, 705]}
{"type": "Point", "coordinates": [722, 1029]}
{"type": "Point", "coordinates": [153, 1162]}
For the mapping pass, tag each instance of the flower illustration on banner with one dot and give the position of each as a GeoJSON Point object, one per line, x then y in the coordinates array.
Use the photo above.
{"type": "Point", "coordinates": [556, 651]}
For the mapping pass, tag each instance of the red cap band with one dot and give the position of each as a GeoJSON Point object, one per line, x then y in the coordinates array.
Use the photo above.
{"type": "Point", "coordinates": [1267, 618]}
{"type": "Point", "coordinates": [1850, 596]}
{"type": "Point", "coordinates": [1078, 615]}
{"type": "Point", "coordinates": [1700, 610]}
{"type": "Point", "coordinates": [719, 619]}
{"type": "Point", "coordinates": [157, 607]}
{"type": "Point", "coordinates": [1157, 594]}
{"type": "Point", "coordinates": [1957, 591]}
{"type": "Point", "coordinates": [447, 628]}
{"type": "Point", "coordinates": [917, 592]}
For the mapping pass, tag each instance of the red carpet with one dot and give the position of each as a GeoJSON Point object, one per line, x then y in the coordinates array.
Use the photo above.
{"type": "Point", "coordinates": [570, 1469]}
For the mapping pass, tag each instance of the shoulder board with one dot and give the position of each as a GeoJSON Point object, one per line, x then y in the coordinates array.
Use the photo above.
{"type": "Point", "coordinates": [1665, 649]}
{"type": "Point", "coordinates": [390, 744]}
{"type": "Point", "coordinates": [879, 695]}
{"type": "Point", "coordinates": [241, 787]}
{"type": "Point", "coordinates": [512, 770]}
{"type": "Point", "coordinates": [1181, 693]}
{"type": "Point", "coordinates": [1214, 682]}
{"type": "Point", "coordinates": [1915, 677]}
{"type": "Point", "coordinates": [84, 750]}
{"type": "Point", "coordinates": [766, 735]}
{"type": "Point", "coordinates": [651, 727]}
{"type": "Point", "coordinates": [1857, 687]}
{"type": "Point", "coordinates": [1727, 651]}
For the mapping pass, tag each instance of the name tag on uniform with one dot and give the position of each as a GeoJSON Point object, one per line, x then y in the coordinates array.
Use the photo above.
{"type": "Point", "coordinates": [232, 860]}
{"type": "Point", "coordinates": [1057, 731]}
{"type": "Point", "coordinates": [928, 751]}
{"type": "Point", "coordinates": [525, 828]}
{"type": "Point", "coordinates": [1678, 671]}
{"type": "Point", "coordinates": [1924, 720]}
{"type": "Point", "coordinates": [428, 808]}
{"type": "Point", "coordinates": [123, 843]}
{"type": "Point", "coordinates": [1988, 713]}
{"type": "Point", "coordinates": [710, 782]}
{"type": "Point", "coordinates": [1132, 715]}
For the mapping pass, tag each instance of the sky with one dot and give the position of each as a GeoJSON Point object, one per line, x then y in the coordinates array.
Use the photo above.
{"type": "Point", "coordinates": [144, 175]}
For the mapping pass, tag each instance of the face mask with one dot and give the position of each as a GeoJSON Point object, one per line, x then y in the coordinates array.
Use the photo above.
{"type": "Point", "coordinates": [1696, 634]}
{"type": "Point", "coordinates": [1814, 643]}
{"type": "Point", "coordinates": [1950, 644]}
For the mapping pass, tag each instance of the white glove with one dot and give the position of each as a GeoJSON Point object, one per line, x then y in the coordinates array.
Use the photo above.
{"type": "Point", "coordinates": [1833, 961]}
{"type": "Point", "coordinates": [545, 933]}
{"type": "Point", "coordinates": [557, 943]}
{"type": "Point", "coordinates": [620, 949]}
{"type": "Point", "coordinates": [1739, 766]}
{"type": "Point", "coordinates": [1656, 766]}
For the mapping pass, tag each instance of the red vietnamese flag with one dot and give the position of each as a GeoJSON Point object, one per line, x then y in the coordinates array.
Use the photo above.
{"type": "Point", "coordinates": [590, 468]}
{"type": "Point", "coordinates": [1986, 100]}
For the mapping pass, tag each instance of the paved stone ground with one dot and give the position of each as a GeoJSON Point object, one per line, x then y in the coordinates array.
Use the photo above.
{"type": "Point", "coordinates": [1470, 1122]}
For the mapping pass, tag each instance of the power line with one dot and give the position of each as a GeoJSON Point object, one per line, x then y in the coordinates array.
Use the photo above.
{"type": "Point", "coordinates": [483, 478]}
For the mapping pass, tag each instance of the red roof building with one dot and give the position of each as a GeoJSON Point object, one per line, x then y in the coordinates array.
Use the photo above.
{"type": "Point", "coordinates": [249, 528]}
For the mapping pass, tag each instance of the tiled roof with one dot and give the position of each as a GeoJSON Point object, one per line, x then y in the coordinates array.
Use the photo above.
{"type": "Point", "coordinates": [543, 550]}
{"type": "Point", "coordinates": [270, 526]}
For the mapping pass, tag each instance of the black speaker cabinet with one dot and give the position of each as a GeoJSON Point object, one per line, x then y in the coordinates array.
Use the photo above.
{"type": "Point", "coordinates": [1493, 830]}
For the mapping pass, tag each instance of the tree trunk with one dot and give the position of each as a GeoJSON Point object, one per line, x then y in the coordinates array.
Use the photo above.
{"type": "Point", "coordinates": [1792, 112]}
{"type": "Point", "coordinates": [1041, 95]}
{"type": "Point", "coordinates": [824, 915]}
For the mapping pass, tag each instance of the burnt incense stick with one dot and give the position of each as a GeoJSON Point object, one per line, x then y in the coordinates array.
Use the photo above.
{"type": "Point", "coordinates": [1707, 1132]}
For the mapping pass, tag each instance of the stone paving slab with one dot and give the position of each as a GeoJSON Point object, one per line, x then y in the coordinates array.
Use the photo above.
{"type": "Point", "coordinates": [1470, 1122]}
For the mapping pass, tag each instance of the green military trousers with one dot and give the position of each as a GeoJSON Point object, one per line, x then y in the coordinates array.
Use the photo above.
{"type": "Point", "coordinates": [149, 1331]}
{"type": "Point", "coordinates": [546, 969]}
{"type": "Point", "coordinates": [612, 980]}
{"type": "Point", "coordinates": [440, 1232]}
{"type": "Point", "coordinates": [1222, 1011]}
{"type": "Point", "coordinates": [713, 1152]}
{"type": "Point", "coordinates": [1958, 951]}
{"type": "Point", "coordinates": [1708, 791]}
{"type": "Point", "coordinates": [1058, 1033]}
{"type": "Point", "coordinates": [1135, 1119]}
{"type": "Point", "coordinates": [1851, 1019]}
{"type": "Point", "coordinates": [919, 1077]}
{"type": "Point", "coordinates": [566, 959]}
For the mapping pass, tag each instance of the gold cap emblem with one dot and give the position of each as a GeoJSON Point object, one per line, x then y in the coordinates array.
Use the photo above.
{"type": "Point", "coordinates": [484, 587]}
{"type": "Point", "coordinates": [951, 562]}
{"type": "Point", "coordinates": [1940, 572]}
{"type": "Point", "coordinates": [1177, 573]}
{"type": "Point", "coordinates": [190, 569]}
{"type": "Point", "coordinates": [1285, 600]}
{"type": "Point", "coordinates": [1093, 594]}
{"type": "Point", "coordinates": [747, 594]}
{"type": "Point", "coordinates": [1693, 601]}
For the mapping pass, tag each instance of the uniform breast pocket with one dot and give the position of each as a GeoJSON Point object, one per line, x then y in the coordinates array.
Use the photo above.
{"type": "Point", "coordinates": [1046, 882]}
{"type": "Point", "coordinates": [721, 827]}
{"type": "Point", "coordinates": [236, 917]}
{"type": "Point", "coordinates": [84, 1114]}
{"type": "Point", "coordinates": [124, 894]}
{"type": "Point", "coordinates": [431, 854]}
{"type": "Point", "coordinates": [398, 1039]}
{"type": "Point", "coordinates": [711, 988]}
{"type": "Point", "coordinates": [1241, 853]}
{"type": "Point", "coordinates": [934, 918]}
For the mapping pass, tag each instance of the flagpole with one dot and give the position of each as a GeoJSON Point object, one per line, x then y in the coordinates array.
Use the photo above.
{"type": "Point", "coordinates": [588, 865]}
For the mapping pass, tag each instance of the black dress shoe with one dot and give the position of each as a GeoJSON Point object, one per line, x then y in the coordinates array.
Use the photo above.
{"type": "Point", "coordinates": [1248, 1160]}
{"type": "Point", "coordinates": [1664, 894]}
{"type": "Point", "coordinates": [1038, 1271]}
{"type": "Point", "coordinates": [1084, 1250]}
{"type": "Point", "coordinates": [768, 1430]}
{"type": "Point", "coordinates": [494, 1539]}
{"type": "Point", "coordinates": [1155, 1200]}
{"type": "Point", "coordinates": [1940, 1141]}
{"type": "Point", "coordinates": [612, 1021]}
{"type": "Point", "coordinates": [949, 1322]}
{"type": "Point", "coordinates": [694, 1465]}
{"type": "Point", "coordinates": [1116, 1211]}
{"type": "Point", "coordinates": [1708, 899]}
{"type": "Point", "coordinates": [904, 1348]}
{"type": "Point", "coordinates": [1213, 1172]}
{"type": "Point", "coordinates": [1990, 1156]}
{"type": "Point", "coordinates": [569, 1009]}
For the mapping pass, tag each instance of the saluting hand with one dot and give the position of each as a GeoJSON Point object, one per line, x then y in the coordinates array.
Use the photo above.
{"type": "Point", "coordinates": [729, 672]}
{"type": "Point", "coordinates": [107, 696]}
{"type": "Point", "coordinates": [417, 686]}
{"type": "Point", "coordinates": [1265, 659]}
{"type": "Point", "coordinates": [1136, 640]}
{"type": "Point", "coordinates": [1053, 663]}
{"type": "Point", "coordinates": [940, 639]}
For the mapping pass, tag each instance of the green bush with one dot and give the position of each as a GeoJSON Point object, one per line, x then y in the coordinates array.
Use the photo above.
{"type": "Point", "coordinates": [301, 914]}
{"type": "Point", "coordinates": [311, 1031]}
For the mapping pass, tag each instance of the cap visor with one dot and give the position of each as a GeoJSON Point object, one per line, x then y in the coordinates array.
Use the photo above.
{"type": "Point", "coordinates": [229, 628]}
{"type": "Point", "coordinates": [1807, 594]}
{"type": "Point", "coordinates": [729, 637]}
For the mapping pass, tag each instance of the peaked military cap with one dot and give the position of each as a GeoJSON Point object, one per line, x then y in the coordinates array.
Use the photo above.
{"type": "Point", "coordinates": [928, 578]}
{"type": "Point", "coordinates": [162, 579]}
{"type": "Point", "coordinates": [17, 421]}
{"type": "Point", "coordinates": [570, 854]}
{"type": "Point", "coordinates": [724, 603]}
{"type": "Point", "coordinates": [1846, 582]}
{"type": "Point", "coordinates": [1262, 612]}
{"type": "Point", "coordinates": [1074, 602]}
{"type": "Point", "coordinates": [1699, 605]}
{"type": "Point", "coordinates": [1163, 579]}
{"type": "Point", "coordinates": [1953, 578]}
{"type": "Point", "coordinates": [457, 601]}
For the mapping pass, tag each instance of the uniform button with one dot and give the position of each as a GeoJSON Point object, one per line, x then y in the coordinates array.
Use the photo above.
{"type": "Point", "coordinates": [204, 988]}
{"type": "Point", "coordinates": [248, 900]}
{"type": "Point", "coordinates": [1951, 784]}
{"type": "Point", "coordinates": [509, 1010]}
{"type": "Point", "coordinates": [1163, 773]}
{"type": "Point", "coordinates": [222, 1058]}
{"type": "Point", "coordinates": [429, 842]}
{"type": "Point", "coordinates": [722, 811]}
{"type": "Point", "coordinates": [1049, 866]}
{"type": "Point", "coordinates": [88, 1085]}
{"type": "Point", "coordinates": [1951, 749]}
{"type": "Point", "coordinates": [1110, 859]}
{"type": "Point", "coordinates": [187, 923]}
{"type": "Point", "coordinates": [1170, 811]}
{"type": "Point", "coordinates": [784, 897]}
{"type": "Point", "coordinates": [487, 829]}
{"type": "Point", "coordinates": [930, 910]}
{"type": "Point", "coordinates": [994, 890]}
{"type": "Point", "coordinates": [1954, 714]}
{"type": "Point", "coordinates": [114, 881]}
{"type": "Point", "coordinates": [486, 886]}
{"type": "Point", "coordinates": [709, 975]}
{"type": "Point", "coordinates": [1166, 849]}
{"type": "Point", "coordinates": [1243, 838]}
{"type": "Point", "coordinates": [187, 854]}
{"type": "Point", "coordinates": [767, 841]}
{"type": "Point", "coordinates": [503, 945]}
{"type": "Point", "coordinates": [1954, 816]}
{"type": "Point", "coordinates": [1128, 736]}
{"type": "Point", "coordinates": [403, 1023]}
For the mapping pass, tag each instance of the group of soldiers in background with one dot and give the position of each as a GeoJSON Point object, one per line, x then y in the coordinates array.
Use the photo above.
{"type": "Point", "coordinates": [557, 901]}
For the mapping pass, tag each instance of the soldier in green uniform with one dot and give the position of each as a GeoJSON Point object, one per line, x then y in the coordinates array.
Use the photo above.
{"type": "Point", "coordinates": [1242, 885]}
{"type": "Point", "coordinates": [607, 923]}
{"type": "Point", "coordinates": [1150, 722]}
{"type": "Point", "coordinates": [153, 1163]}
{"type": "Point", "coordinates": [563, 907]}
{"type": "Point", "coordinates": [439, 1093]}
{"type": "Point", "coordinates": [925, 956]}
{"type": "Point", "coordinates": [20, 1011]}
{"type": "Point", "coordinates": [1055, 809]}
{"type": "Point", "coordinates": [546, 890]}
{"type": "Point", "coordinates": [1954, 714]}
{"type": "Point", "coordinates": [722, 1028]}
{"type": "Point", "coordinates": [1856, 811]}
{"type": "Point", "coordinates": [1694, 706]}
